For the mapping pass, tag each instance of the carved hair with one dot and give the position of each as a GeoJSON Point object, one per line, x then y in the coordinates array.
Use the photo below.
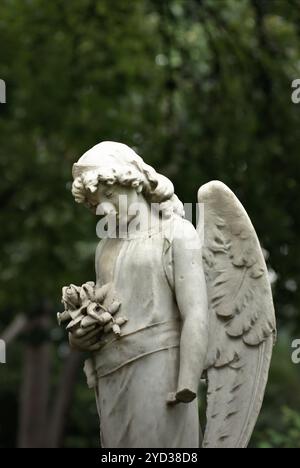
{"type": "Point", "coordinates": [128, 170]}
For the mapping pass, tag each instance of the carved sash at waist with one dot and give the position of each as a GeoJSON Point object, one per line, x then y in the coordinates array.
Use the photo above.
{"type": "Point", "coordinates": [126, 349]}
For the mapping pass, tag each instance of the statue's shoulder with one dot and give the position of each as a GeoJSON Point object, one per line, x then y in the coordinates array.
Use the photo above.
{"type": "Point", "coordinates": [183, 232]}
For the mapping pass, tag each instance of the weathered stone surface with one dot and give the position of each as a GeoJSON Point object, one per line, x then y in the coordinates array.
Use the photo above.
{"type": "Point", "coordinates": [170, 302]}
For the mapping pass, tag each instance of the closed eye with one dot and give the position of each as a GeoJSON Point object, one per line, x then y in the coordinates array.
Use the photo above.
{"type": "Point", "coordinates": [108, 194]}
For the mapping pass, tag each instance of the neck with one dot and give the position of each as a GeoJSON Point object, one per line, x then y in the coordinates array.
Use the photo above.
{"type": "Point", "coordinates": [141, 218]}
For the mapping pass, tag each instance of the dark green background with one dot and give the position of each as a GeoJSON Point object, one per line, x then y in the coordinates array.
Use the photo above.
{"type": "Point", "coordinates": [202, 90]}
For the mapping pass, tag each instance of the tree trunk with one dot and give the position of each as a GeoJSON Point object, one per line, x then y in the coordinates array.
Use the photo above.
{"type": "Point", "coordinates": [63, 400]}
{"type": "Point", "coordinates": [33, 422]}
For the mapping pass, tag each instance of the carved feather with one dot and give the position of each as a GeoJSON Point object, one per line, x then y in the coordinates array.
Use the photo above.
{"type": "Point", "coordinates": [241, 319]}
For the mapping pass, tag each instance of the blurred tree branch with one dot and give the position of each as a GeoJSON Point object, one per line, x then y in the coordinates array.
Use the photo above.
{"type": "Point", "coordinates": [17, 327]}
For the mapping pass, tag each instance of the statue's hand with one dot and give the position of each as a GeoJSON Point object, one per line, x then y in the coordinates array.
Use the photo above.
{"type": "Point", "coordinates": [86, 339]}
{"type": "Point", "coordinates": [184, 395]}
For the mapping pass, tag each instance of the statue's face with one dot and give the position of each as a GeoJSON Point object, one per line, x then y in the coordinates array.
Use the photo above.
{"type": "Point", "coordinates": [114, 200]}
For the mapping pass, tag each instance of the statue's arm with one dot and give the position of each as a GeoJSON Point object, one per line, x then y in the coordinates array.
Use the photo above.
{"type": "Point", "coordinates": [191, 296]}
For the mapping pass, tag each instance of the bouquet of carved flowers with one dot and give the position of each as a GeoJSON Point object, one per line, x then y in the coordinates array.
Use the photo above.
{"type": "Point", "coordinates": [88, 307]}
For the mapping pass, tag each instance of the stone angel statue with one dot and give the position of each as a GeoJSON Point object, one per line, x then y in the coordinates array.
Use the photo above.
{"type": "Point", "coordinates": [171, 305]}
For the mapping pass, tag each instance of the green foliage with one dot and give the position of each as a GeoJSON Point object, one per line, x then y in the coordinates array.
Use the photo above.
{"type": "Point", "coordinates": [289, 435]}
{"type": "Point", "coordinates": [277, 424]}
{"type": "Point", "coordinates": [202, 89]}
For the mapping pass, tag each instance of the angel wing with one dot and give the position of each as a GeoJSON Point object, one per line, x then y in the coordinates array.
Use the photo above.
{"type": "Point", "coordinates": [241, 319]}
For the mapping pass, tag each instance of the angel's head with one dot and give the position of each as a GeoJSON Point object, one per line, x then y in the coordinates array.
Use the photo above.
{"type": "Point", "coordinates": [110, 173]}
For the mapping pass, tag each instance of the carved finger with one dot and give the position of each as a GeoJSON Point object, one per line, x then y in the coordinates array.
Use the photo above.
{"type": "Point", "coordinates": [74, 323]}
{"type": "Point", "coordinates": [88, 321]}
{"type": "Point", "coordinates": [107, 328]}
{"type": "Point", "coordinates": [95, 347]}
{"type": "Point", "coordinates": [91, 335]}
{"type": "Point", "coordinates": [92, 341]}
{"type": "Point", "coordinates": [84, 344]}
{"type": "Point", "coordinates": [75, 343]}
{"type": "Point", "coordinates": [114, 307]}
{"type": "Point", "coordinates": [104, 318]}
{"type": "Point", "coordinates": [80, 332]}
{"type": "Point", "coordinates": [84, 331]}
